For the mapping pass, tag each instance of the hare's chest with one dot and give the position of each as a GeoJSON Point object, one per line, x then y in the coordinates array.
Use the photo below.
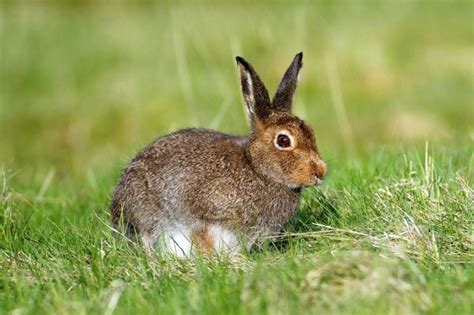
{"type": "Point", "coordinates": [277, 212]}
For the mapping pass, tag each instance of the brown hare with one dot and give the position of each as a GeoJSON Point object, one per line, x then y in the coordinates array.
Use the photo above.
{"type": "Point", "coordinates": [198, 189]}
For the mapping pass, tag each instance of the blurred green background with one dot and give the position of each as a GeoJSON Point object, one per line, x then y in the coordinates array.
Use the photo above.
{"type": "Point", "coordinates": [85, 85]}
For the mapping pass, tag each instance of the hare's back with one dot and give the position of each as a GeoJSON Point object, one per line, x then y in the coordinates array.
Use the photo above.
{"type": "Point", "coordinates": [192, 155]}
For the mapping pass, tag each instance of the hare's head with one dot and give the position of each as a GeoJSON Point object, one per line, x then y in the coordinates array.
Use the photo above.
{"type": "Point", "coordinates": [281, 146]}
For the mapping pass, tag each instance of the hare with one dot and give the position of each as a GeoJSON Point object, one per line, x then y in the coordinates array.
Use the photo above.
{"type": "Point", "coordinates": [198, 189]}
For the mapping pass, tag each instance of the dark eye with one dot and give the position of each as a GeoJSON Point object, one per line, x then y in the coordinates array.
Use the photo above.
{"type": "Point", "coordinates": [283, 141]}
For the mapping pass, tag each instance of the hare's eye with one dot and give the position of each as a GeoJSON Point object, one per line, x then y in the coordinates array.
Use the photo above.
{"type": "Point", "coordinates": [283, 141]}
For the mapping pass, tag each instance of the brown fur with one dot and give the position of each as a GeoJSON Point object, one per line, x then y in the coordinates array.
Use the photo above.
{"type": "Point", "coordinates": [195, 178]}
{"type": "Point", "coordinates": [202, 240]}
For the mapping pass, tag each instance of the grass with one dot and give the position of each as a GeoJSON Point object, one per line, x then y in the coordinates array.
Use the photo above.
{"type": "Point", "coordinates": [387, 87]}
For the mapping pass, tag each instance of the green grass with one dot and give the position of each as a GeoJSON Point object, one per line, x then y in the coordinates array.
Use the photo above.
{"type": "Point", "coordinates": [387, 87]}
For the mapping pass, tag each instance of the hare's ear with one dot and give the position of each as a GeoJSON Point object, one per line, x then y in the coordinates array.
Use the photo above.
{"type": "Point", "coordinates": [284, 95]}
{"type": "Point", "coordinates": [255, 94]}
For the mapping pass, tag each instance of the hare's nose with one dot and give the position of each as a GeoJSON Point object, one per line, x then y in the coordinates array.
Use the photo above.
{"type": "Point", "coordinates": [320, 169]}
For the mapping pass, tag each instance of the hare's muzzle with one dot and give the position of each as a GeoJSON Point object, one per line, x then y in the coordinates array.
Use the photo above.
{"type": "Point", "coordinates": [319, 171]}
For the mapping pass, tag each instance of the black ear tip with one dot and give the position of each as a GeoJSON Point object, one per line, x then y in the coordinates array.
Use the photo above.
{"type": "Point", "coordinates": [243, 62]}
{"type": "Point", "coordinates": [298, 60]}
{"type": "Point", "coordinates": [299, 57]}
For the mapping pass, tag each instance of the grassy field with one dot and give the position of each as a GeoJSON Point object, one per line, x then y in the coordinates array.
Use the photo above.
{"type": "Point", "coordinates": [387, 86]}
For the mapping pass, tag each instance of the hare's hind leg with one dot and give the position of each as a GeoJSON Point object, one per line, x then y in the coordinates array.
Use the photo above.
{"type": "Point", "coordinates": [121, 227]}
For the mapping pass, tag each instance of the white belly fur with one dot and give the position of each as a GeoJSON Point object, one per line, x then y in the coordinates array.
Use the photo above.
{"type": "Point", "coordinates": [223, 239]}
{"type": "Point", "coordinates": [178, 240]}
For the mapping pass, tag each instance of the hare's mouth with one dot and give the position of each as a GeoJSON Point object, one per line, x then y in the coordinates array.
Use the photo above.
{"type": "Point", "coordinates": [315, 182]}
{"type": "Point", "coordinates": [318, 181]}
